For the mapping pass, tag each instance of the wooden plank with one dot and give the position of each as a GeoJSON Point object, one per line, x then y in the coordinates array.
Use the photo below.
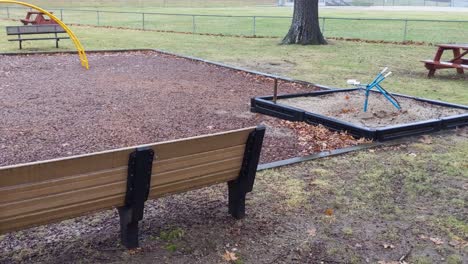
{"type": "Point", "coordinates": [195, 171]}
{"type": "Point", "coordinates": [62, 199]}
{"type": "Point", "coordinates": [50, 187]}
{"type": "Point", "coordinates": [57, 214]}
{"type": "Point", "coordinates": [108, 160]}
{"type": "Point", "coordinates": [194, 183]}
{"type": "Point", "coordinates": [197, 159]}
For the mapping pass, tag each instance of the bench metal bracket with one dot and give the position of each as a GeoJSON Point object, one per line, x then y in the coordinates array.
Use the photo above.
{"type": "Point", "coordinates": [138, 186]}
{"type": "Point", "coordinates": [239, 187]}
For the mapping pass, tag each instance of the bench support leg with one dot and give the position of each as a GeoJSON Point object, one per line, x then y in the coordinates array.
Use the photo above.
{"type": "Point", "coordinates": [138, 186]}
{"type": "Point", "coordinates": [21, 44]}
{"type": "Point", "coordinates": [128, 228]}
{"type": "Point", "coordinates": [244, 183]}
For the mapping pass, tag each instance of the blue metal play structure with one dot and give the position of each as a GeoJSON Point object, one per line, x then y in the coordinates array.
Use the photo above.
{"type": "Point", "coordinates": [376, 84]}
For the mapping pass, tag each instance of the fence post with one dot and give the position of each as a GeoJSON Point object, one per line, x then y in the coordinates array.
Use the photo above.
{"type": "Point", "coordinates": [143, 20]}
{"type": "Point", "coordinates": [98, 18]}
{"type": "Point", "coordinates": [254, 26]}
{"type": "Point", "coordinates": [323, 25]}
{"type": "Point", "coordinates": [194, 26]}
{"type": "Point", "coordinates": [406, 30]}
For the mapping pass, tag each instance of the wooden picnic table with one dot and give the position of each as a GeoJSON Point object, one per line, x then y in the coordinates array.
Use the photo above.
{"type": "Point", "coordinates": [458, 62]}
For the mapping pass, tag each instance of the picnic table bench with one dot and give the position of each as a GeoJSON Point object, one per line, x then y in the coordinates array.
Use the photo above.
{"type": "Point", "coordinates": [20, 31]}
{"type": "Point", "coordinates": [44, 192]}
{"type": "Point", "coordinates": [458, 62]}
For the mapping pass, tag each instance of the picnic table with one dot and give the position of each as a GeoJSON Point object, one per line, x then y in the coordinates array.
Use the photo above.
{"type": "Point", "coordinates": [458, 62]}
{"type": "Point", "coordinates": [37, 18]}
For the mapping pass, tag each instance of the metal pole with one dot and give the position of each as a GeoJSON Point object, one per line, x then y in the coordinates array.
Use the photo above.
{"type": "Point", "coordinates": [406, 30]}
{"type": "Point", "coordinates": [143, 20]}
{"type": "Point", "coordinates": [275, 91]}
{"type": "Point", "coordinates": [98, 18]}
{"type": "Point", "coordinates": [194, 27]}
{"type": "Point", "coordinates": [323, 25]}
{"type": "Point", "coordinates": [254, 26]}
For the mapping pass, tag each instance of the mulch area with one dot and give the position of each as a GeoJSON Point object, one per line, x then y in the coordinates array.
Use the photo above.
{"type": "Point", "coordinates": [51, 107]}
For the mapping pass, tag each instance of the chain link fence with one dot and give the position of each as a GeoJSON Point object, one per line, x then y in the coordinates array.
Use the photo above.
{"type": "Point", "coordinates": [432, 31]}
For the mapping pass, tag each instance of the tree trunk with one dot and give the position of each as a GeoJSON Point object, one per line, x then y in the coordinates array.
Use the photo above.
{"type": "Point", "coordinates": [305, 28]}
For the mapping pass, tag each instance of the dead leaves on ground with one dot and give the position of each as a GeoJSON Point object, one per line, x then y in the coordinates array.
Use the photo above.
{"type": "Point", "coordinates": [314, 139]}
{"type": "Point", "coordinates": [230, 256]}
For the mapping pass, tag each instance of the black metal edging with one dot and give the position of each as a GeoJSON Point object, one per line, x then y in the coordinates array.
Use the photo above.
{"type": "Point", "coordinates": [264, 105]}
{"type": "Point", "coordinates": [326, 154]}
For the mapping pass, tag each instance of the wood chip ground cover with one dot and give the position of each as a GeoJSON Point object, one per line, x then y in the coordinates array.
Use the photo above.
{"type": "Point", "coordinates": [51, 107]}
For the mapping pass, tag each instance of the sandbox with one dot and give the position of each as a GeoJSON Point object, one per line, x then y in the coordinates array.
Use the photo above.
{"type": "Point", "coordinates": [342, 110]}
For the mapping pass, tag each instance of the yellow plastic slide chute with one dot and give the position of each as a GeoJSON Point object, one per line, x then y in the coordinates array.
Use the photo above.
{"type": "Point", "coordinates": [79, 47]}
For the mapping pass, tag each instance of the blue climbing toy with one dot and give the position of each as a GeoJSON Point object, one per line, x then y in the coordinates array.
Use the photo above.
{"type": "Point", "coordinates": [376, 84]}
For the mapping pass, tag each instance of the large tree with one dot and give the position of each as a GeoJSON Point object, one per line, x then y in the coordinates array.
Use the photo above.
{"type": "Point", "coordinates": [305, 28]}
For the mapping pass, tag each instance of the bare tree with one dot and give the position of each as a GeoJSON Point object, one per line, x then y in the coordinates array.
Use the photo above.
{"type": "Point", "coordinates": [305, 28]}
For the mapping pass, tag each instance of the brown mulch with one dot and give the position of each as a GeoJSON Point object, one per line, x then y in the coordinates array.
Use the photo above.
{"type": "Point", "coordinates": [51, 107]}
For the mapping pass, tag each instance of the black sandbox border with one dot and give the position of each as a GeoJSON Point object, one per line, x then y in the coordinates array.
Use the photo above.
{"type": "Point", "coordinates": [265, 105]}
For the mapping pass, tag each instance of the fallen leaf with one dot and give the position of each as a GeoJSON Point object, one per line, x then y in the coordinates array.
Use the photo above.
{"type": "Point", "coordinates": [413, 154]}
{"type": "Point", "coordinates": [454, 243]}
{"type": "Point", "coordinates": [230, 256]}
{"type": "Point", "coordinates": [371, 150]}
{"type": "Point", "coordinates": [134, 251]}
{"type": "Point", "coordinates": [312, 232]}
{"type": "Point", "coordinates": [423, 237]}
{"type": "Point", "coordinates": [426, 139]}
{"type": "Point", "coordinates": [329, 212]}
{"type": "Point", "coordinates": [436, 240]}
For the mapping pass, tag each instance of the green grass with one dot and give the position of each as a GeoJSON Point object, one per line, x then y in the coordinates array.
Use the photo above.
{"type": "Point", "coordinates": [329, 65]}
{"type": "Point", "coordinates": [388, 30]}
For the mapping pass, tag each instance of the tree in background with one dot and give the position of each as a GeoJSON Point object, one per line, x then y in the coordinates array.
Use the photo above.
{"type": "Point", "coordinates": [305, 28]}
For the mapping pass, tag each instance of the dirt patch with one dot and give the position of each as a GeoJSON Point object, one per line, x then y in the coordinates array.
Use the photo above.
{"type": "Point", "coordinates": [348, 106]}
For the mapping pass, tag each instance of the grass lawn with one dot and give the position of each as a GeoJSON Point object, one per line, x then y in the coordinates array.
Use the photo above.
{"type": "Point", "coordinates": [388, 30]}
{"type": "Point", "coordinates": [328, 65]}
{"type": "Point", "coordinates": [380, 205]}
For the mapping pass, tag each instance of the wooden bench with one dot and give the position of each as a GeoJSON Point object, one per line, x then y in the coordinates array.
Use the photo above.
{"type": "Point", "coordinates": [49, 191]}
{"type": "Point", "coordinates": [36, 30]}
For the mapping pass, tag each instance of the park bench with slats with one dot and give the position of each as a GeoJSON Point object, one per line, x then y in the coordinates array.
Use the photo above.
{"type": "Point", "coordinates": [20, 31]}
{"type": "Point", "coordinates": [49, 191]}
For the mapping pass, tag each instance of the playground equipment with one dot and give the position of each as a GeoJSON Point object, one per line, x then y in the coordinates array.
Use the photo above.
{"type": "Point", "coordinates": [376, 84]}
{"type": "Point", "coordinates": [37, 18]}
{"type": "Point", "coordinates": [79, 47]}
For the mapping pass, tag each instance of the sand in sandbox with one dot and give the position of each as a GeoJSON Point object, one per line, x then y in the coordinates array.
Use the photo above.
{"type": "Point", "coordinates": [348, 106]}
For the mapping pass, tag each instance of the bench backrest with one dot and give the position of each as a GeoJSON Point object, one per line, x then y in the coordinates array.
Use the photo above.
{"type": "Point", "coordinates": [44, 192]}
{"type": "Point", "coordinates": [34, 29]}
